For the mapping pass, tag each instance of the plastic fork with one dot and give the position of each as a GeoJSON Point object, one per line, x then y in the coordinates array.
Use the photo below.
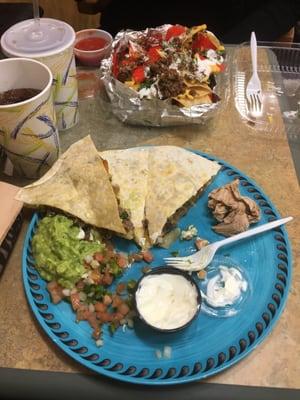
{"type": "Point", "coordinates": [203, 257]}
{"type": "Point", "coordinates": [253, 89]}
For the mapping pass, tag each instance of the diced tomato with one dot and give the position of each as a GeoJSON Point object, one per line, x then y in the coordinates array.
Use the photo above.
{"type": "Point", "coordinates": [121, 287]}
{"type": "Point", "coordinates": [138, 74]}
{"type": "Point", "coordinates": [153, 54]}
{"type": "Point", "coordinates": [117, 301]}
{"type": "Point", "coordinates": [175, 30]}
{"type": "Point", "coordinates": [123, 309]}
{"type": "Point", "coordinates": [109, 253]}
{"type": "Point", "coordinates": [94, 323]}
{"type": "Point", "coordinates": [115, 66]}
{"type": "Point", "coordinates": [137, 257]}
{"type": "Point", "coordinates": [201, 42]}
{"type": "Point", "coordinates": [107, 279]}
{"type": "Point", "coordinates": [121, 261]}
{"type": "Point", "coordinates": [147, 256]}
{"type": "Point", "coordinates": [104, 316]}
{"type": "Point", "coordinates": [55, 291]}
{"type": "Point", "coordinates": [100, 307]}
{"type": "Point", "coordinates": [98, 256]}
{"type": "Point", "coordinates": [75, 301]}
{"type": "Point", "coordinates": [82, 312]}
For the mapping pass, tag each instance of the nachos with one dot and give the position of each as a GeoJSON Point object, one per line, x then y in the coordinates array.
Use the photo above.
{"type": "Point", "coordinates": [170, 62]}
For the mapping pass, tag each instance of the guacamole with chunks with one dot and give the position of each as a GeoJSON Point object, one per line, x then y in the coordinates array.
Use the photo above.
{"type": "Point", "coordinates": [59, 252]}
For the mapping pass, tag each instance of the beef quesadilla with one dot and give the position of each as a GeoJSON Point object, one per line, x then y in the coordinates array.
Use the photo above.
{"type": "Point", "coordinates": [176, 178]}
{"type": "Point", "coordinates": [138, 193]}
{"type": "Point", "coordinates": [129, 173]}
{"type": "Point", "coordinates": [156, 186]}
{"type": "Point", "coordinates": [78, 184]}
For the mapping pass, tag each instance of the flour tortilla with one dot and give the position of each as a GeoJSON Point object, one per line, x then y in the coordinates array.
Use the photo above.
{"type": "Point", "coordinates": [175, 176]}
{"type": "Point", "coordinates": [129, 172]}
{"type": "Point", "coordinates": [78, 184]}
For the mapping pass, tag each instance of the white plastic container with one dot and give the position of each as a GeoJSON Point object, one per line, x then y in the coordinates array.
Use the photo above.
{"type": "Point", "coordinates": [279, 72]}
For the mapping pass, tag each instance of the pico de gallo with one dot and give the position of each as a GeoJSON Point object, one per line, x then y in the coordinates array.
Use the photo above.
{"type": "Point", "coordinates": [80, 266]}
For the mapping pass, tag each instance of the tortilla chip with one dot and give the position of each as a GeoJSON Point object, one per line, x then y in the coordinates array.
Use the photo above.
{"type": "Point", "coordinates": [215, 41]}
{"type": "Point", "coordinates": [78, 184]}
{"type": "Point", "coordinates": [193, 95]}
{"type": "Point", "coordinates": [195, 29]}
{"type": "Point", "coordinates": [192, 31]}
{"type": "Point", "coordinates": [129, 171]}
{"type": "Point", "coordinates": [175, 177]}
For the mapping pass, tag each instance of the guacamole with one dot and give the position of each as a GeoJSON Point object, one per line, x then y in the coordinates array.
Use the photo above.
{"type": "Point", "coordinates": [59, 253]}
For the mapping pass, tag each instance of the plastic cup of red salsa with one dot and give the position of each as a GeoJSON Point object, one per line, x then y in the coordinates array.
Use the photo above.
{"type": "Point", "coordinates": [92, 46]}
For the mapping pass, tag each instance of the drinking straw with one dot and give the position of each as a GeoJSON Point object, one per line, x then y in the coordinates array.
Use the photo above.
{"type": "Point", "coordinates": [36, 11]}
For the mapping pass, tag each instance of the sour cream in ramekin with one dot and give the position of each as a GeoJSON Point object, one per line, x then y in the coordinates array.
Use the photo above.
{"type": "Point", "coordinates": [167, 299]}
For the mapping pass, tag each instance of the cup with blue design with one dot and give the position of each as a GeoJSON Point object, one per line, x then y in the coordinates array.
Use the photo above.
{"type": "Point", "coordinates": [28, 130]}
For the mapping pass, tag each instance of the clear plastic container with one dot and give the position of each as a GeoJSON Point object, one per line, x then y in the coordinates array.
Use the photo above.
{"type": "Point", "coordinates": [279, 71]}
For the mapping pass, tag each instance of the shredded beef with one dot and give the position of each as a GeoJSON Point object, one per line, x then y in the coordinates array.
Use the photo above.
{"type": "Point", "coordinates": [170, 84]}
{"type": "Point", "coordinates": [160, 66]}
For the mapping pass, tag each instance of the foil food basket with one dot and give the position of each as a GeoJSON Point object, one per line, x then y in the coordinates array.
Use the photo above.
{"type": "Point", "coordinates": [130, 109]}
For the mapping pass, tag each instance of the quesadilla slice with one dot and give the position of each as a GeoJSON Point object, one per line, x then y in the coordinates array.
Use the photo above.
{"type": "Point", "coordinates": [129, 174]}
{"type": "Point", "coordinates": [78, 184]}
{"type": "Point", "coordinates": [176, 178]}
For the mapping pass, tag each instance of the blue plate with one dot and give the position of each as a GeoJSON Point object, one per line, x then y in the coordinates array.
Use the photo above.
{"type": "Point", "coordinates": [210, 344]}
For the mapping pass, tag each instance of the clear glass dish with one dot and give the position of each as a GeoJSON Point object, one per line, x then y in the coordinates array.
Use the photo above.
{"type": "Point", "coordinates": [279, 71]}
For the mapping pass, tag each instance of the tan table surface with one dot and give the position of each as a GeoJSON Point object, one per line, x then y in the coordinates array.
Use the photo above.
{"type": "Point", "coordinates": [266, 158]}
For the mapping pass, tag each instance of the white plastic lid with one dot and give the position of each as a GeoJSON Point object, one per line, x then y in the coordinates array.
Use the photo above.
{"type": "Point", "coordinates": [37, 39]}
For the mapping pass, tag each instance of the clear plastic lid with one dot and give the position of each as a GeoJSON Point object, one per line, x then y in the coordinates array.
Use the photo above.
{"type": "Point", "coordinates": [278, 66]}
{"type": "Point", "coordinates": [40, 38]}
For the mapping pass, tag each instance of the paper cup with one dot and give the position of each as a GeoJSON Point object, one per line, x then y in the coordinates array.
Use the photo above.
{"type": "Point", "coordinates": [55, 50]}
{"type": "Point", "coordinates": [28, 131]}
{"type": "Point", "coordinates": [65, 88]}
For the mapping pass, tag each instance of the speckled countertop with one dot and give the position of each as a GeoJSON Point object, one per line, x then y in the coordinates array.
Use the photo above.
{"type": "Point", "coordinates": [266, 158]}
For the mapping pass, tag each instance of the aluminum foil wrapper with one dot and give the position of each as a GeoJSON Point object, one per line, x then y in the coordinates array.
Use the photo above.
{"type": "Point", "coordinates": [129, 108]}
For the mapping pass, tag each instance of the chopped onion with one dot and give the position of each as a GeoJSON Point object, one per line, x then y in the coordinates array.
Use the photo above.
{"type": "Point", "coordinates": [94, 264]}
{"type": "Point", "coordinates": [81, 234]}
{"type": "Point", "coordinates": [91, 307]}
{"type": "Point", "coordinates": [82, 296]}
{"type": "Point", "coordinates": [99, 342]}
{"type": "Point", "coordinates": [167, 352]}
{"type": "Point", "coordinates": [158, 354]}
{"type": "Point", "coordinates": [66, 292]}
{"type": "Point", "coordinates": [130, 323]}
{"type": "Point", "coordinates": [88, 259]}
